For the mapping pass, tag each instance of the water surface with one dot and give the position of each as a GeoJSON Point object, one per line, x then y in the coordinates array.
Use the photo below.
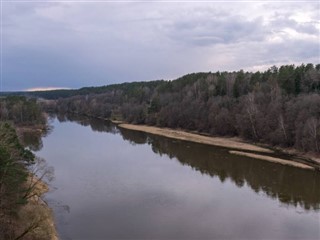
{"type": "Point", "coordinates": [120, 184]}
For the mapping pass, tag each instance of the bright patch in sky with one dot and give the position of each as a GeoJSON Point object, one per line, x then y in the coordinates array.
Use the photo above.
{"type": "Point", "coordinates": [302, 17]}
{"type": "Point", "coordinates": [44, 89]}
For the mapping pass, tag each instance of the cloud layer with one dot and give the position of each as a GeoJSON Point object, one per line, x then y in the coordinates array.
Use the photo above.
{"type": "Point", "coordinates": [75, 44]}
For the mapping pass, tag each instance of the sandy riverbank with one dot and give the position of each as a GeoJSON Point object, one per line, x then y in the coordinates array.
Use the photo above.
{"type": "Point", "coordinates": [272, 159]}
{"type": "Point", "coordinates": [234, 143]}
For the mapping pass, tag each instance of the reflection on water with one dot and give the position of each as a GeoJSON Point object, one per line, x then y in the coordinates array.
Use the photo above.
{"type": "Point", "coordinates": [288, 184]}
{"type": "Point", "coordinates": [96, 125]}
{"type": "Point", "coordinates": [32, 138]}
{"type": "Point", "coordinates": [137, 185]}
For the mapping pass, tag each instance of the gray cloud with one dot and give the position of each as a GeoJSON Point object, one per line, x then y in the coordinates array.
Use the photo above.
{"type": "Point", "coordinates": [85, 44]}
{"type": "Point", "coordinates": [281, 22]}
{"type": "Point", "coordinates": [210, 31]}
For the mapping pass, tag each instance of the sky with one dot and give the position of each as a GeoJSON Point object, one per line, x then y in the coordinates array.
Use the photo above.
{"type": "Point", "coordinates": [72, 44]}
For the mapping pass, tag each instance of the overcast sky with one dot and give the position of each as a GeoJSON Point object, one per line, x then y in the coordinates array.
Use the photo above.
{"type": "Point", "coordinates": [72, 44]}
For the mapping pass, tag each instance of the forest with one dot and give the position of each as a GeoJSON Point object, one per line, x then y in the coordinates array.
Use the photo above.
{"type": "Point", "coordinates": [279, 107]}
{"type": "Point", "coordinates": [20, 217]}
{"type": "Point", "coordinates": [21, 110]}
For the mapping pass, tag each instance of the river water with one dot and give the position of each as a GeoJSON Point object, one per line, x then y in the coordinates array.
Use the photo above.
{"type": "Point", "coordinates": [113, 183]}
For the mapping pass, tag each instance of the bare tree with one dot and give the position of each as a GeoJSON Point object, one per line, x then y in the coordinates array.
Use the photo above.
{"type": "Point", "coordinates": [39, 172]}
{"type": "Point", "coordinates": [313, 125]}
{"type": "Point", "coordinates": [251, 110]}
{"type": "Point", "coordinates": [282, 127]}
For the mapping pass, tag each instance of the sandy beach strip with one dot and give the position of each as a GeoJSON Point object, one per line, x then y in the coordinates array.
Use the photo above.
{"type": "Point", "coordinates": [233, 143]}
{"type": "Point", "coordinates": [272, 159]}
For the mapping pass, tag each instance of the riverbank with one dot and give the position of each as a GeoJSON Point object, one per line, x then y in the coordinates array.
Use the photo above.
{"type": "Point", "coordinates": [232, 143]}
{"type": "Point", "coordinates": [35, 218]}
{"type": "Point", "coordinates": [272, 159]}
{"type": "Point", "coordinates": [38, 129]}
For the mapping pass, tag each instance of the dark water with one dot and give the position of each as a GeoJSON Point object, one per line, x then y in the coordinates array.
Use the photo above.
{"type": "Point", "coordinates": [118, 184]}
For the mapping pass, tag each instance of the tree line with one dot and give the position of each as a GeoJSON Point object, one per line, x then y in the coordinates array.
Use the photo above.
{"type": "Point", "coordinates": [21, 110]}
{"type": "Point", "coordinates": [279, 106]}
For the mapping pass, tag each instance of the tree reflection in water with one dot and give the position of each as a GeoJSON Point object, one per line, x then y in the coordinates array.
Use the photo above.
{"type": "Point", "coordinates": [290, 185]}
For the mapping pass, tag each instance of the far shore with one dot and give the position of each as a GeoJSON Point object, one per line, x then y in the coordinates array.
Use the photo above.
{"type": "Point", "coordinates": [233, 143]}
{"type": "Point", "coordinates": [272, 159]}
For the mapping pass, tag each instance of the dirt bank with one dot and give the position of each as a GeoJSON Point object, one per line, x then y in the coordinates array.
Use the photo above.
{"type": "Point", "coordinates": [234, 143]}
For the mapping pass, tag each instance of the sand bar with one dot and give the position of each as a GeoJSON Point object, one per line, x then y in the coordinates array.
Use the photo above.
{"type": "Point", "coordinates": [272, 159]}
{"type": "Point", "coordinates": [233, 143]}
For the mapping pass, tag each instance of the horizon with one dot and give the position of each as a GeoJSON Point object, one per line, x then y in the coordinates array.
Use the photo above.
{"type": "Point", "coordinates": [45, 89]}
{"type": "Point", "coordinates": [69, 45]}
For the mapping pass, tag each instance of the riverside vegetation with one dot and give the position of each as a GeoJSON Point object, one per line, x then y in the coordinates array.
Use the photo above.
{"type": "Point", "coordinates": [279, 107]}
{"type": "Point", "coordinates": [23, 214]}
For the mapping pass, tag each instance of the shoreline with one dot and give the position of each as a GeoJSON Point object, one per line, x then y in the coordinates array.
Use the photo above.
{"type": "Point", "coordinates": [233, 143]}
{"type": "Point", "coordinates": [36, 207]}
{"type": "Point", "coordinates": [42, 189]}
{"type": "Point", "coordinates": [40, 212]}
{"type": "Point", "coordinates": [272, 159]}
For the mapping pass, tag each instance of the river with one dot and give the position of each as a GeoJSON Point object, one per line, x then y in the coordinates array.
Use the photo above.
{"type": "Point", "coordinates": [114, 183]}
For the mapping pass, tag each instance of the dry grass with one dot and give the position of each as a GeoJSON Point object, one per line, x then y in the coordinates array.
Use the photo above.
{"type": "Point", "coordinates": [233, 143]}
{"type": "Point", "coordinates": [272, 159]}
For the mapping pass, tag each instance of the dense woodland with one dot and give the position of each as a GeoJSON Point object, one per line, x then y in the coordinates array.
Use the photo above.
{"type": "Point", "coordinates": [17, 219]}
{"type": "Point", "coordinates": [280, 106]}
{"type": "Point", "coordinates": [13, 177]}
{"type": "Point", "coordinates": [20, 110]}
